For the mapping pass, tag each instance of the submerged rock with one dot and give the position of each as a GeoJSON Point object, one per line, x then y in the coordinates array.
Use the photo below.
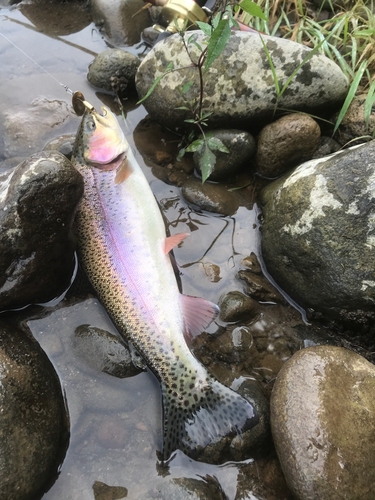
{"type": "Point", "coordinates": [323, 424]}
{"type": "Point", "coordinates": [286, 143]}
{"type": "Point", "coordinates": [239, 88]}
{"type": "Point", "coordinates": [235, 306]}
{"type": "Point", "coordinates": [241, 146]}
{"type": "Point", "coordinates": [63, 144]}
{"type": "Point", "coordinates": [104, 492]}
{"type": "Point", "coordinates": [38, 199]}
{"type": "Point", "coordinates": [33, 417]}
{"type": "Point", "coordinates": [104, 352]}
{"type": "Point", "coordinates": [211, 197]}
{"type": "Point", "coordinates": [25, 130]}
{"type": "Point", "coordinates": [113, 70]}
{"type": "Point", "coordinates": [319, 234]}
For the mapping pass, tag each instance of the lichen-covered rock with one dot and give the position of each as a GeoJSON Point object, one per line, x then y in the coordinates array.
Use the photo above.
{"type": "Point", "coordinates": [33, 417]}
{"type": "Point", "coordinates": [323, 424]}
{"type": "Point", "coordinates": [239, 88]}
{"type": "Point", "coordinates": [113, 70]}
{"type": "Point", "coordinates": [241, 147]}
{"type": "Point", "coordinates": [319, 232]}
{"type": "Point", "coordinates": [38, 199]}
{"type": "Point", "coordinates": [285, 143]}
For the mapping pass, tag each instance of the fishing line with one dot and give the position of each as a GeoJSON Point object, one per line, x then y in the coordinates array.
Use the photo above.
{"type": "Point", "coordinates": [67, 89]}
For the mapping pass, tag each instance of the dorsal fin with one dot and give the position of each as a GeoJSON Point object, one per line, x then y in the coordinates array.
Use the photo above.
{"type": "Point", "coordinates": [173, 241]}
{"type": "Point", "coordinates": [198, 314]}
{"type": "Point", "coordinates": [123, 171]}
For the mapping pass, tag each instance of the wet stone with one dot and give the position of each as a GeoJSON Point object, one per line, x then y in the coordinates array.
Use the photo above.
{"type": "Point", "coordinates": [259, 288]}
{"type": "Point", "coordinates": [104, 492]}
{"type": "Point", "coordinates": [241, 146]}
{"type": "Point", "coordinates": [27, 129]}
{"type": "Point", "coordinates": [211, 197]}
{"type": "Point", "coordinates": [285, 143]}
{"type": "Point", "coordinates": [63, 144]}
{"type": "Point", "coordinates": [38, 199]}
{"type": "Point", "coordinates": [104, 352]}
{"type": "Point", "coordinates": [252, 263]}
{"type": "Point", "coordinates": [113, 70]}
{"type": "Point", "coordinates": [323, 424]}
{"type": "Point", "coordinates": [327, 146]}
{"type": "Point", "coordinates": [33, 417]}
{"type": "Point", "coordinates": [235, 306]}
{"type": "Point", "coordinates": [318, 234]}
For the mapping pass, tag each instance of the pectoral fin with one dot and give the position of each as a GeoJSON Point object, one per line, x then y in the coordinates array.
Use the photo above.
{"type": "Point", "coordinates": [123, 171]}
{"type": "Point", "coordinates": [173, 241]}
{"type": "Point", "coordinates": [198, 314]}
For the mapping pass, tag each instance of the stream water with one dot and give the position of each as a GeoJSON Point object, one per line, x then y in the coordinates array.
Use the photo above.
{"type": "Point", "coordinates": [115, 423]}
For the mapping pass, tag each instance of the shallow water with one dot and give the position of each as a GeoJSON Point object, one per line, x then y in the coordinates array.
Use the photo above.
{"type": "Point", "coordinates": [115, 423]}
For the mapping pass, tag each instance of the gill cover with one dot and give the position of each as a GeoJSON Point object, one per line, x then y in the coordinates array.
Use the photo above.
{"type": "Point", "coordinates": [105, 140]}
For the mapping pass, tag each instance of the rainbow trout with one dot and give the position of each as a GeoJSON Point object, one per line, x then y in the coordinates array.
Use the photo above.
{"type": "Point", "coordinates": [123, 249]}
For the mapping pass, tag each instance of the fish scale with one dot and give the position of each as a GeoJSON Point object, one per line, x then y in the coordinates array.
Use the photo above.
{"type": "Point", "coordinates": [122, 241]}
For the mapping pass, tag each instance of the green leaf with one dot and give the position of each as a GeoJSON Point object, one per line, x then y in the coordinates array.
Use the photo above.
{"type": "Point", "coordinates": [190, 120]}
{"type": "Point", "coordinates": [351, 94]}
{"type": "Point", "coordinates": [186, 87]}
{"type": "Point", "coordinates": [207, 162]}
{"type": "Point", "coordinates": [215, 20]}
{"type": "Point", "coordinates": [252, 8]}
{"type": "Point", "coordinates": [191, 37]}
{"type": "Point", "coordinates": [215, 144]}
{"type": "Point", "coordinates": [197, 45]}
{"type": "Point", "coordinates": [206, 28]}
{"type": "Point", "coordinates": [151, 89]}
{"type": "Point", "coordinates": [181, 154]}
{"type": "Point", "coordinates": [218, 41]}
{"type": "Point", "coordinates": [195, 146]}
{"type": "Point", "coordinates": [183, 107]}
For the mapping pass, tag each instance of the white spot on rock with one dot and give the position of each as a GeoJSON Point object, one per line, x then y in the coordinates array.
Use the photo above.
{"type": "Point", "coordinates": [319, 197]}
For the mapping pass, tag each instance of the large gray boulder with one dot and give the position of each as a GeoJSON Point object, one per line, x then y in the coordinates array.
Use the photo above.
{"type": "Point", "coordinates": [323, 424]}
{"type": "Point", "coordinates": [38, 200]}
{"type": "Point", "coordinates": [239, 88]}
{"type": "Point", "coordinates": [319, 233]}
{"type": "Point", "coordinates": [33, 418]}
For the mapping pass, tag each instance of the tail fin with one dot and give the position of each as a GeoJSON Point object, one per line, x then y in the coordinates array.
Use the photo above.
{"type": "Point", "coordinates": [206, 418]}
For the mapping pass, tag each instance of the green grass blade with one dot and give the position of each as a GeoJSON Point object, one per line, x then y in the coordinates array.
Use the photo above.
{"type": "Point", "coordinates": [309, 56]}
{"type": "Point", "coordinates": [151, 89]}
{"type": "Point", "coordinates": [272, 67]}
{"type": "Point", "coordinates": [351, 94]}
{"type": "Point", "coordinates": [354, 53]}
{"type": "Point", "coordinates": [370, 101]}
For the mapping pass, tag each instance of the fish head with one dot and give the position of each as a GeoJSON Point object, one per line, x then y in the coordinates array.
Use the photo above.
{"type": "Point", "coordinates": [100, 142]}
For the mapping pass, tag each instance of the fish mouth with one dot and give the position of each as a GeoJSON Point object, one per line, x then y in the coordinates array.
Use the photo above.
{"type": "Point", "coordinates": [112, 164]}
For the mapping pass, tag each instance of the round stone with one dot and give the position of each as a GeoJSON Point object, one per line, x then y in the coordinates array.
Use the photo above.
{"type": "Point", "coordinates": [286, 143]}
{"type": "Point", "coordinates": [323, 424]}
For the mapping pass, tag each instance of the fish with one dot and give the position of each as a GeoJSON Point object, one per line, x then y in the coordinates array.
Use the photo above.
{"type": "Point", "coordinates": [124, 251]}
